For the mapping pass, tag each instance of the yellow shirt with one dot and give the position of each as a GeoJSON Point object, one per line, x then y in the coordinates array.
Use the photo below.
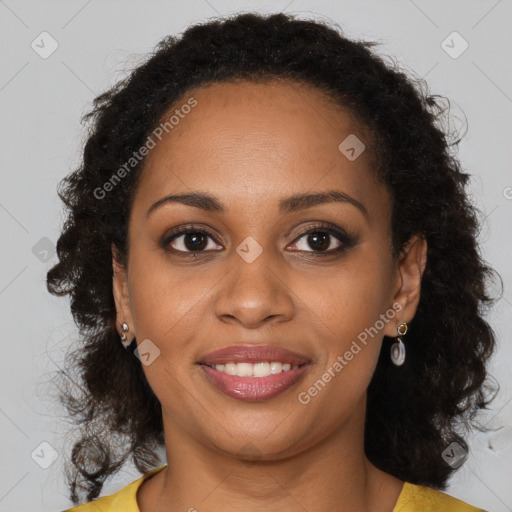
{"type": "Point", "coordinates": [413, 498]}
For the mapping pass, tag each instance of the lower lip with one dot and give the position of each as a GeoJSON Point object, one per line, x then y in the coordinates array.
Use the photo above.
{"type": "Point", "coordinates": [253, 389]}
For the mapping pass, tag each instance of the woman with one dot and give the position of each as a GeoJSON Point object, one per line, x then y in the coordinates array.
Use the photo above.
{"type": "Point", "coordinates": [273, 262]}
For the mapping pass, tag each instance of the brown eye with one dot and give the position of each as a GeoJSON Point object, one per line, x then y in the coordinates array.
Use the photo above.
{"type": "Point", "coordinates": [325, 238]}
{"type": "Point", "coordinates": [194, 241]}
{"type": "Point", "coordinates": [318, 241]}
{"type": "Point", "coordinates": [188, 240]}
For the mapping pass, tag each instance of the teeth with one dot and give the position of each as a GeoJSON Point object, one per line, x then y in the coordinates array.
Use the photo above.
{"type": "Point", "coordinates": [276, 367]}
{"type": "Point", "coordinates": [263, 369]}
{"type": "Point", "coordinates": [244, 369]}
{"type": "Point", "coordinates": [230, 368]}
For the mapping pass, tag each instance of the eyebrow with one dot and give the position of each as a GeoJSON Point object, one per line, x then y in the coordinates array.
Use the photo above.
{"type": "Point", "coordinates": [289, 204]}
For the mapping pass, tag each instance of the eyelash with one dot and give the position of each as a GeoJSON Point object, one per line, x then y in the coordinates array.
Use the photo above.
{"type": "Point", "coordinates": [341, 235]}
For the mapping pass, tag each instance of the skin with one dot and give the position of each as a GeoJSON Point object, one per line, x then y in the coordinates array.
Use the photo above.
{"type": "Point", "coordinates": [251, 145]}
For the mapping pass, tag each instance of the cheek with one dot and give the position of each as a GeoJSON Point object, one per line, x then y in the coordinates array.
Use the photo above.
{"type": "Point", "coordinates": [166, 309]}
{"type": "Point", "coordinates": [350, 297]}
{"type": "Point", "coordinates": [349, 345]}
{"type": "Point", "coordinates": [349, 308]}
{"type": "Point", "coordinates": [165, 298]}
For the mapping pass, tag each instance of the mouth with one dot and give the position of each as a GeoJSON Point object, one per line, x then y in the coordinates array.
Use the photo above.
{"type": "Point", "coordinates": [254, 373]}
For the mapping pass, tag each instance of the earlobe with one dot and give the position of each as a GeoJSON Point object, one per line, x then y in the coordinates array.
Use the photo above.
{"type": "Point", "coordinates": [411, 266]}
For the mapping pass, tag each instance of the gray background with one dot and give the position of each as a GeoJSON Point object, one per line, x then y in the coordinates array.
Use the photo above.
{"type": "Point", "coordinates": [41, 102]}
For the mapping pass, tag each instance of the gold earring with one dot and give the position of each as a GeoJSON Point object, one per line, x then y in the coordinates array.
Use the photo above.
{"type": "Point", "coordinates": [124, 339]}
{"type": "Point", "coordinates": [398, 348]}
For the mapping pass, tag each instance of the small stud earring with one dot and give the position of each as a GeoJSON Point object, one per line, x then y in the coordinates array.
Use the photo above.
{"type": "Point", "coordinates": [124, 339]}
{"type": "Point", "coordinates": [398, 347]}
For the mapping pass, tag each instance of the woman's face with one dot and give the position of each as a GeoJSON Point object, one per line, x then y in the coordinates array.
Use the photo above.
{"type": "Point", "coordinates": [256, 278]}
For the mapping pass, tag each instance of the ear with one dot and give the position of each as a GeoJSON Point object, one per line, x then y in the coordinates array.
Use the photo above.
{"type": "Point", "coordinates": [406, 293]}
{"type": "Point", "coordinates": [121, 296]}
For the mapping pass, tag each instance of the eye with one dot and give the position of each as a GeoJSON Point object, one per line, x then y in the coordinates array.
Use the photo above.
{"type": "Point", "coordinates": [190, 240]}
{"type": "Point", "coordinates": [324, 238]}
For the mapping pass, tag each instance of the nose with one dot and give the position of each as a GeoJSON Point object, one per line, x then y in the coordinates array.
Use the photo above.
{"type": "Point", "coordinates": [254, 294]}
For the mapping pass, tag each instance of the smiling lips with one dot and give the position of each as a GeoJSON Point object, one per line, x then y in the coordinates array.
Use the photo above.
{"type": "Point", "coordinates": [253, 372]}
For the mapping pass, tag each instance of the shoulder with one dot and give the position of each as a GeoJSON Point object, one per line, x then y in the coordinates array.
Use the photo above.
{"type": "Point", "coordinates": [124, 500]}
{"type": "Point", "coordinates": [419, 498]}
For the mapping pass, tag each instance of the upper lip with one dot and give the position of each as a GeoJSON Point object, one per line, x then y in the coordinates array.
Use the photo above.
{"type": "Point", "coordinates": [253, 354]}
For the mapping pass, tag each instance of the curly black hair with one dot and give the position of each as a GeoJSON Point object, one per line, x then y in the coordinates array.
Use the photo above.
{"type": "Point", "coordinates": [412, 414]}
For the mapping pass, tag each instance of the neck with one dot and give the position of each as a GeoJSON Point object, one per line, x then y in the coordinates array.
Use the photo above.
{"type": "Point", "coordinates": [334, 474]}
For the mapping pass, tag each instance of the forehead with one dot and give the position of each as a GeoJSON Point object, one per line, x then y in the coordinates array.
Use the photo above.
{"type": "Point", "coordinates": [262, 139]}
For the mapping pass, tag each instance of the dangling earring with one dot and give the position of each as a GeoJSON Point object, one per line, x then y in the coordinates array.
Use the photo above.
{"type": "Point", "coordinates": [398, 348]}
{"type": "Point", "coordinates": [124, 339]}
